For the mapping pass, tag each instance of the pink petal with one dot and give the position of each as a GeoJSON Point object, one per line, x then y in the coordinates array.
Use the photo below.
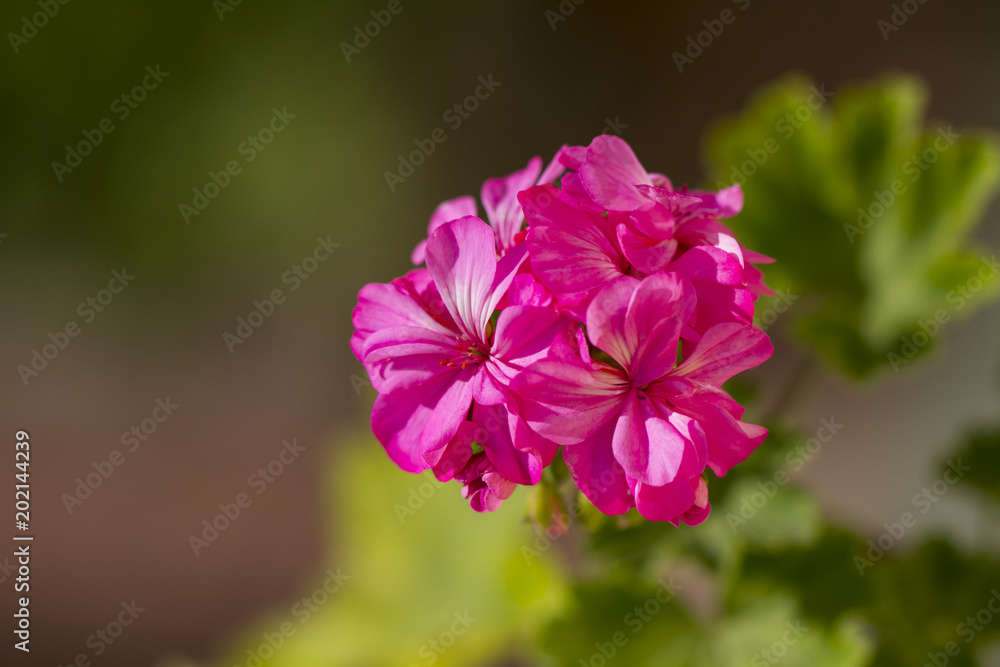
{"type": "Point", "coordinates": [729, 201]}
{"type": "Point", "coordinates": [729, 440]}
{"type": "Point", "coordinates": [453, 209]}
{"type": "Point", "coordinates": [494, 435]}
{"type": "Point", "coordinates": [450, 460]}
{"type": "Point", "coordinates": [461, 258]}
{"type": "Point", "coordinates": [597, 474]}
{"type": "Point", "coordinates": [525, 290]}
{"type": "Point", "coordinates": [499, 197]}
{"type": "Point", "coordinates": [606, 320]}
{"type": "Point", "coordinates": [611, 172]}
{"type": "Point", "coordinates": [381, 306]}
{"type": "Point", "coordinates": [567, 402]}
{"type": "Point", "coordinates": [646, 247]}
{"type": "Point", "coordinates": [526, 334]}
{"type": "Point", "coordinates": [709, 264]}
{"type": "Point", "coordinates": [401, 357]}
{"type": "Point", "coordinates": [410, 422]}
{"type": "Point", "coordinates": [724, 351]}
{"type": "Point", "coordinates": [701, 508]}
{"type": "Point", "coordinates": [657, 310]}
{"type": "Point", "coordinates": [572, 250]}
{"type": "Point", "coordinates": [668, 502]}
{"type": "Point", "coordinates": [651, 441]}
{"type": "Point", "coordinates": [572, 157]}
{"type": "Point", "coordinates": [555, 168]}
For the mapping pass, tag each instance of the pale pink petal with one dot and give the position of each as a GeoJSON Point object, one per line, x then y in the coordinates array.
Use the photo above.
{"type": "Point", "coordinates": [453, 209]}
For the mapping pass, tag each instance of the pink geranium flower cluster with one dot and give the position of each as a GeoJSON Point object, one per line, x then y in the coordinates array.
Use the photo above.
{"type": "Point", "coordinates": [596, 310]}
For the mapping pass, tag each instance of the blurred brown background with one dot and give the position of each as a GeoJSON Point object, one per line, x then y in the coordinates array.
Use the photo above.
{"type": "Point", "coordinates": [323, 175]}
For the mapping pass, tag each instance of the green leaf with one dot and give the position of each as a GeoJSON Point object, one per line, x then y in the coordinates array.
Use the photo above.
{"type": "Point", "coordinates": [982, 455]}
{"type": "Point", "coordinates": [866, 211]}
{"type": "Point", "coordinates": [931, 598]}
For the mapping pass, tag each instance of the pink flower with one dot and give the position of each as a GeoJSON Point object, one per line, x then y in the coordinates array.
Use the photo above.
{"type": "Point", "coordinates": [483, 369]}
{"type": "Point", "coordinates": [575, 251]}
{"type": "Point", "coordinates": [482, 483]}
{"type": "Point", "coordinates": [661, 221]}
{"type": "Point", "coordinates": [640, 429]}
{"type": "Point", "coordinates": [431, 349]}
{"type": "Point", "coordinates": [499, 197]}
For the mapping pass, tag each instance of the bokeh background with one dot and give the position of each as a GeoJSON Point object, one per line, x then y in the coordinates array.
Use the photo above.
{"type": "Point", "coordinates": [606, 67]}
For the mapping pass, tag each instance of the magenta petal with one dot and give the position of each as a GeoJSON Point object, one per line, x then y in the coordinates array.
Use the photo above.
{"type": "Point", "coordinates": [718, 304]}
{"type": "Point", "coordinates": [450, 460]}
{"type": "Point", "coordinates": [701, 508]}
{"type": "Point", "coordinates": [499, 197]}
{"type": "Point", "coordinates": [424, 418]}
{"type": "Point", "coordinates": [526, 334]}
{"type": "Point", "coordinates": [555, 168]}
{"type": "Point", "coordinates": [453, 209]}
{"type": "Point", "coordinates": [572, 157]}
{"type": "Point", "coordinates": [507, 270]}
{"type": "Point", "coordinates": [381, 306]}
{"type": "Point", "coordinates": [667, 502]}
{"type": "Point", "coordinates": [611, 172]}
{"type": "Point", "coordinates": [657, 310]}
{"type": "Point", "coordinates": [461, 257]}
{"type": "Point", "coordinates": [645, 254]}
{"type": "Point", "coordinates": [567, 402]}
{"type": "Point", "coordinates": [525, 290]}
{"type": "Point", "coordinates": [488, 387]}
{"type": "Point", "coordinates": [606, 327]}
{"type": "Point", "coordinates": [709, 264]}
{"type": "Point", "coordinates": [724, 351]}
{"type": "Point", "coordinates": [597, 474]}
{"type": "Point", "coordinates": [729, 440]}
{"type": "Point", "coordinates": [572, 250]}
{"type": "Point", "coordinates": [647, 445]}
{"type": "Point", "coordinates": [405, 356]}
{"type": "Point", "coordinates": [494, 435]}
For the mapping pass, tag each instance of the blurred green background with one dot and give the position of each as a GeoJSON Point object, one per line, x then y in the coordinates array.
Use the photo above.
{"type": "Point", "coordinates": [605, 68]}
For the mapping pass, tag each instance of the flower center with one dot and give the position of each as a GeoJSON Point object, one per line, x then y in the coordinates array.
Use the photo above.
{"type": "Point", "coordinates": [467, 353]}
